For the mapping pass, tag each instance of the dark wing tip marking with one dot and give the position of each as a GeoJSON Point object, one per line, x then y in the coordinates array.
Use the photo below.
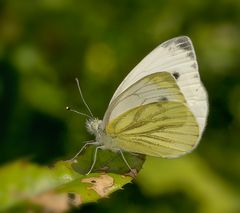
{"type": "Point", "coordinates": [185, 46]}
{"type": "Point", "coordinates": [194, 65]}
{"type": "Point", "coordinates": [176, 41]}
{"type": "Point", "coordinates": [191, 55]}
{"type": "Point", "coordinates": [184, 43]}
{"type": "Point", "coordinates": [181, 39]}
{"type": "Point", "coordinates": [166, 43]}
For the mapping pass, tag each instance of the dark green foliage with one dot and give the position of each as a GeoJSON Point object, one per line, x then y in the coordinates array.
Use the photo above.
{"type": "Point", "coordinates": [45, 44]}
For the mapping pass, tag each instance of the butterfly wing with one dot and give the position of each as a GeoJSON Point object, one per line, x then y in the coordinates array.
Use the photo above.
{"type": "Point", "coordinates": [156, 119]}
{"type": "Point", "coordinates": [156, 87]}
{"type": "Point", "coordinates": [176, 56]}
{"type": "Point", "coordinates": [163, 129]}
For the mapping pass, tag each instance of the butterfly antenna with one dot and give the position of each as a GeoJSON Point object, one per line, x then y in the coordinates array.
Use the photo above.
{"type": "Point", "coordinates": [80, 91]}
{"type": "Point", "coordinates": [80, 113]}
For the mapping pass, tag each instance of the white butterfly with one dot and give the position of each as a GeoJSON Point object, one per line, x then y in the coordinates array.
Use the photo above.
{"type": "Point", "coordinates": [160, 108]}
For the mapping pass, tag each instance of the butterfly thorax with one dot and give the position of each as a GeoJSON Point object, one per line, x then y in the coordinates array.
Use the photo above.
{"type": "Point", "coordinates": [95, 127]}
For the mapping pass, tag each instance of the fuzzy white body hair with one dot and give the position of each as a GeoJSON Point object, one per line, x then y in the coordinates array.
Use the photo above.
{"type": "Point", "coordinates": [95, 127]}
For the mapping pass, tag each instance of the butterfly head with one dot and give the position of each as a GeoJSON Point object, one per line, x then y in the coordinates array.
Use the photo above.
{"type": "Point", "coordinates": [94, 126]}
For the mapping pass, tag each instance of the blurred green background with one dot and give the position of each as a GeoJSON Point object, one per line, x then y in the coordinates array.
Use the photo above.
{"type": "Point", "coordinates": [45, 44]}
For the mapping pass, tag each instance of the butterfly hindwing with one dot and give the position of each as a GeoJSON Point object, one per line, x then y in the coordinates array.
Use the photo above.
{"type": "Point", "coordinates": [162, 129]}
{"type": "Point", "coordinates": [152, 117]}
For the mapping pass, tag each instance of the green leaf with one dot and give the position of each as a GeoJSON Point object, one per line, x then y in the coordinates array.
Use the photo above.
{"type": "Point", "coordinates": [28, 186]}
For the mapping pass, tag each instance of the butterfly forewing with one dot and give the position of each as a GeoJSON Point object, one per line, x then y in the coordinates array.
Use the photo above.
{"type": "Point", "coordinates": [163, 129]}
{"type": "Point", "coordinates": [176, 56]}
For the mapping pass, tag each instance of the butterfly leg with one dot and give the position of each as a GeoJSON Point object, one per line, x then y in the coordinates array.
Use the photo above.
{"type": "Point", "coordinates": [94, 159]}
{"type": "Point", "coordinates": [124, 159]}
{"type": "Point", "coordinates": [83, 147]}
